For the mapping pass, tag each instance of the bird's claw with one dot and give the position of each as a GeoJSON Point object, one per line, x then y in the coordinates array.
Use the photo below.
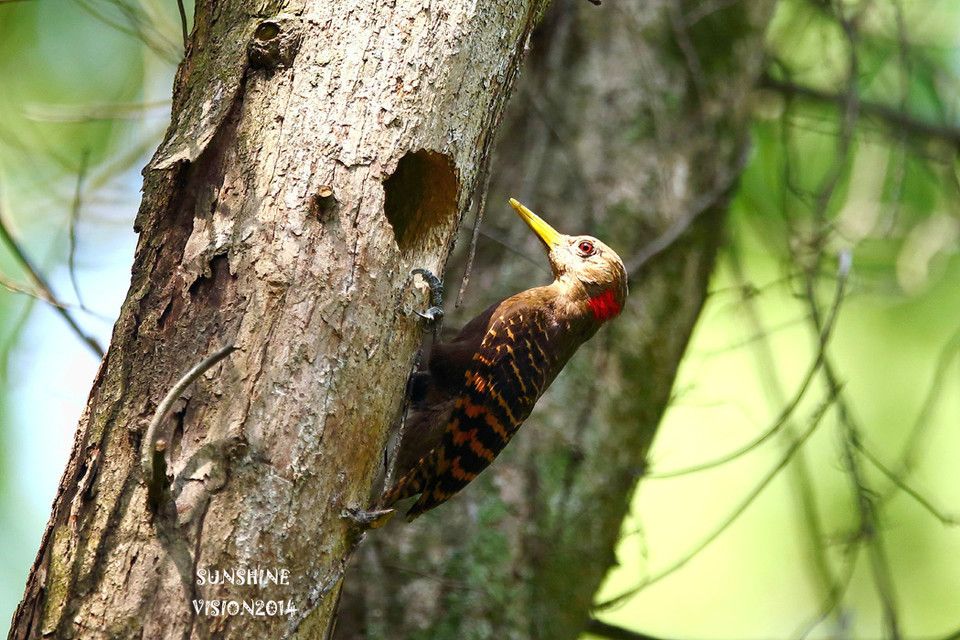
{"type": "Point", "coordinates": [368, 518]}
{"type": "Point", "coordinates": [431, 315]}
{"type": "Point", "coordinates": [434, 314]}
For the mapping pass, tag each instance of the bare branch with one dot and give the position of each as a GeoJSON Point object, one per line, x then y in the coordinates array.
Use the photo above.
{"type": "Point", "coordinates": [901, 484]}
{"type": "Point", "coordinates": [481, 207]}
{"type": "Point", "coordinates": [138, 25]}
{"type": "Point", "coordinates": [869, 520]}
{"type": "Point", "coordinates": [391, 464]}
{"type": "Point", "coordinates": [565, 147]}
{"type": "Point", "coordinates": [681, 34]}
{"type": "Point", "coordinates": [183, 24]}
{"type": "Point", "coordinates": [96, 112]}
{"type": "Point", "coordinates": [150, 440]}
{"type": "Point", "coordinates": [46, 293]}
{"type": "Point", "coordinates": [808, 514]}
{"type": "Point", "coordinates": [723, 185]}
{"type": "Point", "coordinates": [843, 272]}
{"type": "Point", "coordinates": [729, 520]}
{"type": "Point", "coordinates": [835, 597]}
{"type": "Point", "coordinates": [13, 287]}
{"type": "Point", "coordinates": [506, 244]}
{"type": "Point", "coordinates": [947, 355]}
{"type": "Point", "coordinates": [613, 632]}
{"type": "Point", "coordinates": [870, 528]}
{"type": "Point", "coordinates": [74, 216]}
{"type": "Point", "coordinates": [894, 118]}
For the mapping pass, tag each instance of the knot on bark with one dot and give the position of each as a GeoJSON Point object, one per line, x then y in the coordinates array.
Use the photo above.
{"type": "Point", "coordinates": [274, 44]}
{"type": "Point", "coordinates": [323, 203]}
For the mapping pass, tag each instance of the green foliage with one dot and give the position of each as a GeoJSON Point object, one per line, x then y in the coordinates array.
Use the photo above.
{"type": "Point", "coordinates": [854, 153]}
{"type": "Point", "coordinates": [476, 585]}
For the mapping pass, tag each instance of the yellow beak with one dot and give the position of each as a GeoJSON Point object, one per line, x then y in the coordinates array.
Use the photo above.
{"type": "Point", "coordinates": [546, 233]}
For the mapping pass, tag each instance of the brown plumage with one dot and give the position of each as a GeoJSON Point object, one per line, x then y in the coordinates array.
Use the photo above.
{"type": "Point", "coordinates": [481, 386]}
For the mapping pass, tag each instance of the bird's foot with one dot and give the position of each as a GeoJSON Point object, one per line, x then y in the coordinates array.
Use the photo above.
{"type": "Point", "coordinates": [368, 518]}
{"type": "Point", "coordinates": [434, 314]}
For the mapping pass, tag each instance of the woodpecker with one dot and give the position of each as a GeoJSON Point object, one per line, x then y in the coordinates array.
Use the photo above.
{"type": "Point", "coordinates": [481, 386]}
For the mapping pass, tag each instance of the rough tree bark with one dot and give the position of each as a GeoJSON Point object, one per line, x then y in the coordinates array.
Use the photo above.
{"type": "Point", "coordinates": [315, 156]}
{"type": "Point", "coordinates": [629, 124]}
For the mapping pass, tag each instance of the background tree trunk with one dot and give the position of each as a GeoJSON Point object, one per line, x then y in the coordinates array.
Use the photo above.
{"type": "Point", "coordinates": [521, 552]}
{"type": "Point", "coordinates": [313, 159]}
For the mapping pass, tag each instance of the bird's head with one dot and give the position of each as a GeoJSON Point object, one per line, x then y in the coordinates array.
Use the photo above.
{"type": "Point", "coordinates": [584, 263]}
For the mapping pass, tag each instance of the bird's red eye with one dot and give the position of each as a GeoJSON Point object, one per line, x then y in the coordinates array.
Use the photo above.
{"type": "Point", "coordinates": [586, 248]}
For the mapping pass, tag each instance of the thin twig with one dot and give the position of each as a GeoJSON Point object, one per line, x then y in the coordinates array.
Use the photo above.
{"type": "Point", "coordinates": [729, 520]}
{"type": "Point", "coordinates": [183, 23]}
{"type": "Point", "coordinates": [843, 272]}
{"type": "Point", "coordinates": [899, 153]}
{"type": "Point", "coordinates": [481, 207]}
{"type": "Point", "coordinates": [808, 514]}
{"type": "Point", "coordinates": [870, 527]}
{"type": "Point", "coordinates": [74, 216]}
{"type": "Point", "coordinates": [565, 147]}
{"type": "Point", "coordinates": [13, 287]}
{"type": "Point", "coordinates": [391, 466]}
{"type": "Point", "coordinates": [894, 118]}
{"type": "Point", "coordinates": [576, 446]}
{"type": "Point", "coordinates": [333, 579]}
{"type": "Point", "coordinates": [95, 112]}
{"type": "Point", "coordinates": [506, 244]}
{"type": "Point", "coordinates": [603, 629]}
{"type": "Point", "coordinates": [139, 28]}
{"type": "Point", "coordinates": [459, 585]}
{"type": "Point", "coordinates": [901, 484]}
{"type": "Point", "coordinates": [869, 521]}
{"type": "Point", "coordinates": [46, 292]}
{"type": "Point", "coordinates": [947, 355]}
{"type": "Point", "coordinates": [753, 338]}
{"type": "Point", "coordinates": [166, 405]}
{"type": "Point", "coordinates": [681, 34]}
{"type": "Point", "coordinates": [835, 597]}
{"type": "Point", "coordinates": [722, 186]}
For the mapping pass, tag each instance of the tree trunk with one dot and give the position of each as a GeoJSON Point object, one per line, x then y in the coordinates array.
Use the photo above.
{"type": "Point", "coordinates": [314, 158]}
{"type": "Point", "coordinates": [629, 124]}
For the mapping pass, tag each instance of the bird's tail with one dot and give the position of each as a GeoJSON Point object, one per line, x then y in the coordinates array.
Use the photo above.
{"type": "Point", "coordinates": [414, 481]}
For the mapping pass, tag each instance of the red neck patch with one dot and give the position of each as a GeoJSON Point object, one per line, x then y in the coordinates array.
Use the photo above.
{"type": "Point", "coordinates": [604, 306]}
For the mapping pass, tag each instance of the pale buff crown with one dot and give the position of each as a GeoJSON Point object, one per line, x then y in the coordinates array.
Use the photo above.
{"type": "Point", "coordinates": [589, 262]}
{"type": "Point", "coordinates": [583, 266]}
